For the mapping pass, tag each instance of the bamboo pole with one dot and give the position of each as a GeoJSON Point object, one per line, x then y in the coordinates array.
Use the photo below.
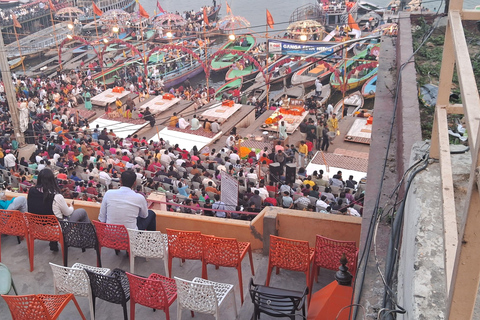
{"type": "Point", "coordinates": [206, 59]}
{"type": "Point", "coordinates": [55, 35]}
{"type": "Point", "coordinates": [19, 48]}
{"type": "Point", "coordinates": [267, 75]}
{"type": "Point", "coordinates": [95, 22]}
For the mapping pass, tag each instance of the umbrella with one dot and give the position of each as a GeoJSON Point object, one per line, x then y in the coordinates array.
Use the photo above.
{"type": "Point", "coordinates": [232, 22]}
{"type": "Point", "coordinates": [115, 17]}
{"type": "Point", "coordinates": [69, 12]}
{"type": "Point", "coordinates": [327, 302]}
{"type": "Point", "coordinates": [169, 19]}
{"type": "Point", "coordinates": [305, 27]}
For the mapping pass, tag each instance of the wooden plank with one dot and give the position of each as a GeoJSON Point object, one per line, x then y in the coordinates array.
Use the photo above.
{"type": "Point", "coordinates": [466, 273]}
{"type": "Point", "coordinates": [470, 14]}
{"type": "Point", "coordinates": [466, 78]}
{"type": "Point", "coordinates": [455, 109]}
{"type": "Point", "coordinates": [445, 83]}
{"type": "Point", "coordinates": [449, 215]}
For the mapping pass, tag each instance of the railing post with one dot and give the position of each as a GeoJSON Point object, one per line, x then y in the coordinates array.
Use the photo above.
{"type": "Point", "coordinates": [269, 228]}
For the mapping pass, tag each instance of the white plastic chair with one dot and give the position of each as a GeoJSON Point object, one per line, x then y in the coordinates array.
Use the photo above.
{"type": "Point", "coordinates": [202, 295]}
{"type": "Point", "coordinates": [75, 280]}
{"type": "Point", "coordinates": [147, 244]}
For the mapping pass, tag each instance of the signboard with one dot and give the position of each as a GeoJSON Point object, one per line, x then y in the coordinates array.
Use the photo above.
{"type": "Point", "coordinates": [301, 48]}
{"type": "Point", "coordinates": [229, 194]}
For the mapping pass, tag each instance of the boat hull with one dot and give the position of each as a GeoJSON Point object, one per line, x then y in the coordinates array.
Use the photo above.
{"type": "Point", "coordinates": [350, 104]}
{"type": "Point", "coordinates": [224, 61]}
{"type": "Point", "coordinates": [369, 88]}
{"type": "Point", "coordinates": [231, 85]}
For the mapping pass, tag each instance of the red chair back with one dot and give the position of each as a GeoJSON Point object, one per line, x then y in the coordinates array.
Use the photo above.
{"type": "Point", "coordinates": [44, 227]}
{"type": "Point", "coordinates": [328, 253]}
{"type": "Point", "coordinates": [289, 254]}
{"type": "Point", "coordinates": [12, 222]}
{"type": "Point", "coordinates": [220, 251]}
{"type": "Point", "coordinates": [147, 292]}
{"type": "Point", "coordinates": [185, 244]}
{"type": "Point", "coordinates": [113, 236]}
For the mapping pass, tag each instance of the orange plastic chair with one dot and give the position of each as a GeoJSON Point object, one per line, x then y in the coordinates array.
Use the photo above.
{"type": "Point", "coordinates": [113, 236]}
{"type": "Point", "coordinates": [226, 252]}
{"type": "Point", "coordinates": [39, 306]}
{"type": "Point", "coordinates": [42, 227]}
{"type": "Point", "coordinates": [156, 291]}
{"type": "Point", "coordinates": [183, 245]}
{"type": "Point", "coordinates": [289, 254]}
{"type": "Point", "coordinates": [12, 223]}
{"type": "Point", "coordinates": [328, 253]}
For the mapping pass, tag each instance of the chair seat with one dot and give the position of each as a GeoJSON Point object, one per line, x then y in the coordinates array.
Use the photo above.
{"type": "Point", "coordinates": [169, 286]}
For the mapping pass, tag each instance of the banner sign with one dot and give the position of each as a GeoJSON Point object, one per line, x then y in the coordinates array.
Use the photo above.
{"type": "Point", "coordinates": [301, 48]}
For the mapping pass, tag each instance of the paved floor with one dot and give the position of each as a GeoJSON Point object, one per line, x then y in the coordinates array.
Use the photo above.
{"type": "Point", "coordinates": [41, 279]}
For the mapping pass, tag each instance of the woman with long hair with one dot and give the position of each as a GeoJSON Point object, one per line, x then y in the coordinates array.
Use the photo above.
{"type": "Point", "coordinates": [46, 198]}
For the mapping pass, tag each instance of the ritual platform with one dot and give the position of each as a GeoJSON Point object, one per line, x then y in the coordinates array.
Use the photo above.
{"type": "Point", "coordinates": [108, 96]}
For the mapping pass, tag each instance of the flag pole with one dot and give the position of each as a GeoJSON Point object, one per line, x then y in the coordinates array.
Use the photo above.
{"type": "Point", "coordinates": [95, 22]}
{"type": "Point", "coordinates": [267, 76]}
{"type": "Point", "coordinates": [19, 48]}
{"type": "Point", "coordinates": [54, 34]}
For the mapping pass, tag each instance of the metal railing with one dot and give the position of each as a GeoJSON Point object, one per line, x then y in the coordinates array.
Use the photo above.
{"type": "Point", "coordinates": [462, 261]}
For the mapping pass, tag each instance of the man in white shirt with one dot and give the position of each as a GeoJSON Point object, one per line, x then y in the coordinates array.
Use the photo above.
{"type": "Point", "coordinates": [234, 156]}
{"type": "Point", "coordinates": [182, 123]}
{"type": "Point", "coordinates": [195, 123]}
{"type": "Point", "coordinates": [103, 175]}
{"type": "Point", "coordinates": [215, 126]}
{"type": "Point", "coordinates": [230, 141]}
{"type": "Point", "coordinates": [318, 87]}
{"type": "Point", "coordinates": [125, 206]}
{"type": "Point", "coordinates": [9, 160]}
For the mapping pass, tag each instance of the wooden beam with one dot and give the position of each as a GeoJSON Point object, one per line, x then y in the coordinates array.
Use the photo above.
{"type": "Point", "coordinates": [455, 109]}
{"type": "Point", "coordinates": [466, 273]}
{"type": "Point", "coordinates": [470, 14]}
{"type": "Point", "coordinates": [466, 78]}
{"type": "Point", "coordinates": [444, 87]}
{"type": "Point", "coordinates": [450, 230]}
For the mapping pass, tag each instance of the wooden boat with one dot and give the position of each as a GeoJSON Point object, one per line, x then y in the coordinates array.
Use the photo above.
{"type": "Point", "coordinates": [428, 95]}
{"type": "Point", "coordinates": [246, 73]}
{"type": "Point", "coordinates": [326, 92]}
{"type": "Point", "coordinates": [294, 64]}
{"type": "Point", "coordinates": [15, 62]}
{"type": "Point", "coordinates": [357, 80]}
{"type": "Point", "coordinates": [224, 61]}
{"type": "Point", "coordinates": [350, 104]}
{"type": "Point", "coordinates": [258, 90]}
{"type": "Point", "coordinates": [49, 66]}
{"type": "Point", "coordinates": [295, 92]}
{"type": "Point", "coordinates": [369, 88]}
{"type": "Point", "coordinates": [228, 88]}
{"type": "Point", "coordinates": [306, 76]}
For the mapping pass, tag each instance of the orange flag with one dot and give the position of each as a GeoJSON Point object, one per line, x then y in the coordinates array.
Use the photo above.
{"type": "Point", "coordinates": [52, 7]}
{"type": "Point", "coordinates": [352, 23]}
{"type": "Point", "coordinates": [16, 24]}
{"type": "Point", "coordinates": [96, 10]}
{"type": "Point", "coordinates": [205, 15]}
{"type": "Point", "coordinates": [142, 11]}
{"type": "Point", "coordinates": [228, 9]}
{"type": "Point", "coordinates": [270, 19]}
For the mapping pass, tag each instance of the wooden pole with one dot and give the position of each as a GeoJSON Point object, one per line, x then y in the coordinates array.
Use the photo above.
{"type": "Point", "coordinates": [95, 22]}
{"type": "Point", "coordinates": [19, 48]}
{"type": "Point", "coordinates": [267, 75]}
{"type": "Point", "coordinates": [55, 35]}
{"type": "Point", "coordinates": [344, 89]}
{"type": "Point", "coordinates": [206, 60]}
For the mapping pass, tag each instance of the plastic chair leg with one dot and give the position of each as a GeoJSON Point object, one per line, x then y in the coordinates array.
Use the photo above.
{"type": "Point", "coordinates": [125, 314]}
{"type": "Point", "coordinates": [250, 256]}
{"type": "Point", "coordinates": [179, 311]}
{"type": "Point", "coordinates": [240, 282]}
{"type": "Point", "coordinates": [78, 307]}
{"type": "Point", "coordinates": [132, 309]}
{"type": "Point", "coordinates": [65, 256]}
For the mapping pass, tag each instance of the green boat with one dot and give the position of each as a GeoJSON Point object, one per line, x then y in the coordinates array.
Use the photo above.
{"type": "Point", "coordinates": [228, 88]}
{"type": "Point", "coordinates": [363, 75]}
{"type": "Point", "coordinates": [247, 73]}
{"type": "Point", "coordinates": [224, 61]}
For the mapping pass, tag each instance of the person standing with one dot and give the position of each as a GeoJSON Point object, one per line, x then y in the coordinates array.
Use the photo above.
{"type": "Point", "coordinates": [87, 99]}
{"type": "Point", "coordinates": [325, 139]}
{"type": "Point", "coordinates": [282, 131]}
{"type": "Point", "coordinates": [125, 206]}
{"type": "Point", "coordinates": [9, 160]}
{"type": "Point", "coordinates": [302, 153]}
{"type": "Point", "coordinates": [46, 198]}
{"type": "Point", "coordinates": [318, 87]}
{"type": "Point", "coordinates": [219, 205]}
{"type": "Point", "coordinates": [332, 124]}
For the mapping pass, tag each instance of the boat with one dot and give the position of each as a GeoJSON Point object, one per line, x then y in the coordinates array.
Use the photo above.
{"type": "Point", "coordinates": [104, 5]}
{"type": "Point", "coordinates": [15, 62]}
{"type": "Point", "coordinates": [49, 66]}
{"type": "Point", "coordinates": [9, 3]}
{"type": "Point", "coordinates": [428, 95]}
{"type": "Point", "coordinates": [326, 92]}
{"type": "Point", "coordinates": [258, 90]}
{"type": "Point", "coordinates": [360, 77]}
{"type": "Point", "coordinates": [226, 90]}
{"type": "Point", "coordinates": [295, 92]}
{"type": "Point", "coordinates": [224, 61]}
{"type": "Point", "coordinates": [307, 75]}
{"type": "Point", "coordinates": [369, 88]}
{"type": "Point", "coordinates": [350, 104]}
{"type": "Point", "coordinates": [35, 44]}
{"type": "Point", "coordinates": [246, 73]}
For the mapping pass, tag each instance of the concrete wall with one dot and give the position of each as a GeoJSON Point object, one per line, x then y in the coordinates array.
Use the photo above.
{"type": "Point", "coordinates": [421, 273]}
{"type": "Point", "coordinates": [304, 225]}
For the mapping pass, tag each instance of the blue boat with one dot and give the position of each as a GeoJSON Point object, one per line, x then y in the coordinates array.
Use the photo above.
{"type": "Point", "coordinates": [369, 87]}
